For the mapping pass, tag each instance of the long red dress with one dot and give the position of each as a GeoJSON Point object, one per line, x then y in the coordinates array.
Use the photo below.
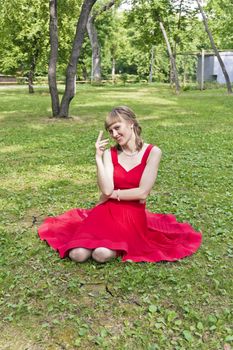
{"type": "Point", "coordinates": [125, 226]}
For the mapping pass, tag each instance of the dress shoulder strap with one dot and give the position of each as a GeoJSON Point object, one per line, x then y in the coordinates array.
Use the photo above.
{"type": "Point", "coordinates": [114, 155]}
{"type": "Point", "coordinates": [146, 153]}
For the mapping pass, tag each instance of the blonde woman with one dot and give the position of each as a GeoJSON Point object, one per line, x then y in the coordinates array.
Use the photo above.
{"type": "Point", "coordinates": [120, 225]}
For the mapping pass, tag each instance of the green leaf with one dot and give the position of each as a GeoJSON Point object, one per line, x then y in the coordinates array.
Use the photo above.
{"type": "Point", "coordinates": [229, 338]}
{"type": "Point", "coordinates": [171, 316]}
{"type": "Point", "coordinates": [212, 319]}
{"type": "Point", "coordinates": [188, 336]}
{"type": "Point", "coordinates": [152, 308]}
{"type": "Point", "coordinates": [82, 332]}
{"type": "Point", "coordinates": [77, 342]}
{"type": "Point", "coordinates": [178, 322]}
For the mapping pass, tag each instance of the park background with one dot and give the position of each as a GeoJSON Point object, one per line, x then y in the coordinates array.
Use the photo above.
{"type": "Point", "coordinates": [47, 167]}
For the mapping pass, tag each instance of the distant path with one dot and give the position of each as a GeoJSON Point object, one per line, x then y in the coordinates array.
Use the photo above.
{"type": "Point", "coordinates": [12, 86]}
{"type": "Point", "coordinates": [17, 86]}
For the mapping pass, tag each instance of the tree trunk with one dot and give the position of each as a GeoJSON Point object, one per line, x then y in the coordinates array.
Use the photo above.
{"type": "Point", "coordinates": [31, 75]}
{"type": "Point", "coordinates": [202, 68]}
{"type": "Point", "coordinates": [113, 70]}
{"type": "Point", "coordinates": [95, 45]}
{"type": "Point", "coordinates": [96, 51]}
{"type": "Point", "coordinates": [53, 32]}
{"type": "Point", "coordinates": [75, 54]}
{"type": "Point", "coordinates": [171, 76]}
{"type": "Point", "coordinates": [172, 59]}
{"type": "Point", "coordinates": [184, 72]}
{"type": "Point", "coordinates": [229, 88]}
{"type": "Point", "coordinates": [84, 72]}
{"type": "Point", "coordinates": [151, 64]}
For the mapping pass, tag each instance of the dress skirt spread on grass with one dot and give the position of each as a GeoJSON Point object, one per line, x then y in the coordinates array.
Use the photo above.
{"type": "Point", "coordinates": [125, 226]}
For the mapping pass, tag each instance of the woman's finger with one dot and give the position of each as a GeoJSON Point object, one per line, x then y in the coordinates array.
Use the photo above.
{"type": "Point", "coordinates": [102, 145]}
{"type": "Point", "coordinates": [100, 135]}
{"type": "Point", "coordinates": [102, 142]}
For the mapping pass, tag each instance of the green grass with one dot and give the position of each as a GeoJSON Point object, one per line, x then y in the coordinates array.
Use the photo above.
{"type": "Point", "coordinates": [47, 167]}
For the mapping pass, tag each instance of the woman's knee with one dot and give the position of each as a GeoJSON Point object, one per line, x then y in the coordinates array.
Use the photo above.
{"type": "Point", "coordinates": [80, 254]}
{"type": "Point", "coordinates": [102, 254]}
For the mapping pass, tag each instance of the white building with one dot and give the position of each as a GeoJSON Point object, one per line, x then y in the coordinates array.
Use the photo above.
{"type": "Point", "coordinates": [212, 68]}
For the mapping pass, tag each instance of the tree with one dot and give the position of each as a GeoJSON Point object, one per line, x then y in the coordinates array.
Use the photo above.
{"type": "Point", "coordinates": [95, 45]}
{"type": "Point", "coordinates": [172, 58]}
{"type": "Point", "coordinates": [96, 50]}
{"type": "Point", "coordinates": [52, 72]}
{"type": "Point", "coordinates": [73, 61]}
{"type": "Point", "coordinates": [229, 88]}
{"type": "Point", "coordinates": [24, 37]}
{"type": "Point", "coordinates": [220, 19]}
{"type": "Point", "coordinates": [150, 17]}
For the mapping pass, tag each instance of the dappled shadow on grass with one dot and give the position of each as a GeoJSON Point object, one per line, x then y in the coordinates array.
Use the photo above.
{"type": "Point", "coordinates": [84, 108]}
{"type": "Point", "coordinates": [48, 198]}
{"type": "Point", "coordinates": [160, 103]}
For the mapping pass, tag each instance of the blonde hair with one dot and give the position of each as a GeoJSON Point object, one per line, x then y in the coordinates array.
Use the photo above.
{"type": "Point", "coordinates": [126, 113]}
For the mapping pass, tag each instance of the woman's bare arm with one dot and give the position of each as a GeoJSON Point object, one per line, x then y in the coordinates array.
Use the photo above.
{"type": "Point", "coordinates": [104, 166]}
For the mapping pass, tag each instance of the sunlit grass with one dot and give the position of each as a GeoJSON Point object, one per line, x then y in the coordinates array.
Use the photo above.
{"type": "Point", "coordinates": [47, 167]}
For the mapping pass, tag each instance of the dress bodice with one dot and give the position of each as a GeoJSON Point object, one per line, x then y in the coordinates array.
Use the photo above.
{"type": "Point", "coordinates": [125, 179]}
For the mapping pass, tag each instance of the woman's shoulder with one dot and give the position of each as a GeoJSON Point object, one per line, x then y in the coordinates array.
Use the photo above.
{"type": "Point", "coordinates": [107, 153]}
{"type": "Point", "coordinates": [110, 153]}
{"type": "Point", "coordinates": [110, 150]}
{"type": "Point", "coordinates": [155, 151]}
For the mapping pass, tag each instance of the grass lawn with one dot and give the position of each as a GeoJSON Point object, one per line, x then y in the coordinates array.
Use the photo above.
{"type": "Point", "coordinates": [47, 167]}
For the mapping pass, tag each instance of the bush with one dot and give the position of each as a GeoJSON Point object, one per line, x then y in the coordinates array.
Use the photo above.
{"type": "Point", "coordinates": [124, 77]}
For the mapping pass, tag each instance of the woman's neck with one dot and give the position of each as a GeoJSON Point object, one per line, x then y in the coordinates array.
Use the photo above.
{"type": "Point", "coordinates": [130, 146]}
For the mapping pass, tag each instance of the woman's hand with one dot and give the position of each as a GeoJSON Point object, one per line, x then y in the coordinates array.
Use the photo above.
{"type": "Point", "coordinates": [100, 145]}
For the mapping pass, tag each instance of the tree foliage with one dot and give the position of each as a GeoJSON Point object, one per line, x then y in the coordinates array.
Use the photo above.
{"type": "Point", "coordinates": [24, 35]}
{"type": "Point", "coordinates": [220, 17]}
{"type": "Point", "coordinates": [126, 37]}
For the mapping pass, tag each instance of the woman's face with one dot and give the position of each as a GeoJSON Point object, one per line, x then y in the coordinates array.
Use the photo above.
{"type": "Point", "coordinates": [121, 131]}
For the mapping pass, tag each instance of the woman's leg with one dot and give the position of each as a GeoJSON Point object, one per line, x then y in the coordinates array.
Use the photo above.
{"type": "Point", "coordinates": [102, 254]}
{"type": "Point", "coordinates": [80, 254]}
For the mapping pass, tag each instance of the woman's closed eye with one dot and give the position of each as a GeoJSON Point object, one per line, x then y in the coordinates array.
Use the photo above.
{"type": "Point", "coordinates": [116, 129]}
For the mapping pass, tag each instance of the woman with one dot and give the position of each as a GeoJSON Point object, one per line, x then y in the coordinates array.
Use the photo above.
{"type": "Point", "coordinates": [120, 225]}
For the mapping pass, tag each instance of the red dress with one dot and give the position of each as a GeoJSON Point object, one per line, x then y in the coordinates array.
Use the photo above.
{"type": "Point", "coordinates": [125, 226]}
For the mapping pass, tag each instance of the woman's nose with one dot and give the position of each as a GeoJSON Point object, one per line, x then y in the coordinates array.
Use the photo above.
{"type": "Point", "coordinates": [114, 133]}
